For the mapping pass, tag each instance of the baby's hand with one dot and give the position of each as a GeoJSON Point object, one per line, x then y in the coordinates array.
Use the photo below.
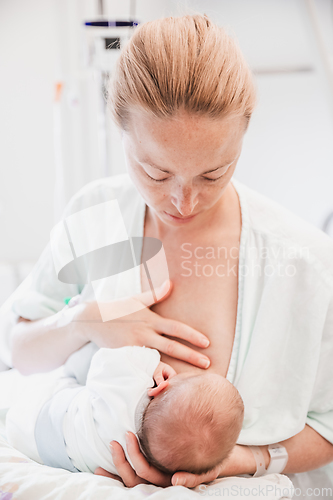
{"type": "Point", "coordinates": [161, 376]}
{"type": "Point", "coordinates": [163, 372]}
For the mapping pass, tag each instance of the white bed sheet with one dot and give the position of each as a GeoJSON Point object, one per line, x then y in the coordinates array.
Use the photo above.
{"type": "Point", "coordinates": [23, 479]}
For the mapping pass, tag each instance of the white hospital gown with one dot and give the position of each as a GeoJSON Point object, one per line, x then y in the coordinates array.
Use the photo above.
{"type": "Point", "coordinates": [281, 360]}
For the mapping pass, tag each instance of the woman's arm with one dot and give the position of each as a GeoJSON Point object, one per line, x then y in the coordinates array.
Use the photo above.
{"type": "Point", "coordinates": [307, 450]}
{"type": "Point", "coordinates": [45, 344]}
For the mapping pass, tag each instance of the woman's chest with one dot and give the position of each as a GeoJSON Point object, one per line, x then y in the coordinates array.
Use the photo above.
{"type": "Point", "coordinates": [204, 274]}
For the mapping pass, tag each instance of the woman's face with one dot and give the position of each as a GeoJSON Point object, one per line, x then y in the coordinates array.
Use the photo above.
{"type": "Point", "coordinates": [181, 166]}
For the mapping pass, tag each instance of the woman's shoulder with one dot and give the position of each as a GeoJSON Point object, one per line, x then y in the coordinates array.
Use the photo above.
{"type": "Point", "coordinates": [117, 187]}
{"type": "Point", "coordinates": [279, 226]}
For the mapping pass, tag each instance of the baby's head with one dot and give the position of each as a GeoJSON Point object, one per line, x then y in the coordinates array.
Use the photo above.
{"type": "Point", "coordinates": [193, 424]}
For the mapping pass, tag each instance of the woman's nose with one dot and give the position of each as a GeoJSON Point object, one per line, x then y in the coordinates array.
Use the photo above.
{"type": "Point", "coordinates": [185, 201]}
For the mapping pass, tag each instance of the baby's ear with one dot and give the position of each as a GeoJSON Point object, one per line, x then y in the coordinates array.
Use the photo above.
{"type": "Point", "coordinates": [157, 390]}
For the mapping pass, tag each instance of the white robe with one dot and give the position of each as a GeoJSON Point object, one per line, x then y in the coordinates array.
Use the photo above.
{"type": "Point", "coordinates": [281, 360]}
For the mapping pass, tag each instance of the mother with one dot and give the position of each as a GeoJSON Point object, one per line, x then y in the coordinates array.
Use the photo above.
{"type": "Point", "coordinates": [252, 285]}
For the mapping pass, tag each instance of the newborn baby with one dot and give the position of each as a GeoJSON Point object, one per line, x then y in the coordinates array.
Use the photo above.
{"type": "Point", "coordinates": [192, 425]}
{"type": "Point", "coordinates": [187, 422]}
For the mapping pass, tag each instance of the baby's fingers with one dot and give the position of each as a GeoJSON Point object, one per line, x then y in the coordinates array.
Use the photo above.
{"type": "Point", "coordinates": [168, 371]}
{"type": "Point", "coordinates": [158, 377]}
{"type": "Point", "coordinates": [163, 372]}
{"type": "Point", "coordinates": [156, 390]}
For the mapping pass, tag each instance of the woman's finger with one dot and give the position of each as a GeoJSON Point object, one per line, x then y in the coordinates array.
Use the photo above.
{"type": "Point", "coordinates": [125, 471]}
{"type": "Point", "coordinates": [180, 330]}
{"type": "Point", "coordinates": [102, 472]}
{"type": "Point", "coordinates": [180, 351]}
{"type": "Point", "coordinates": [193, 480]}
{"type": "Point", "coordinates": [142, 467]}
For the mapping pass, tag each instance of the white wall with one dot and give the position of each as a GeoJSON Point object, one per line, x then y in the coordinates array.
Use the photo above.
{"type": "Point", "coordinates": [27, 55]}
{"type": "Point", "coordinates": [288, 148]}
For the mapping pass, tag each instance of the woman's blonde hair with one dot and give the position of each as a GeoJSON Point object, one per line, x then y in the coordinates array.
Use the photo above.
{"type": "Point", "coordinates": [181, 63]}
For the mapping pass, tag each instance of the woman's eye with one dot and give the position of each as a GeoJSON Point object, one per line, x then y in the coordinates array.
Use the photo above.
{"type": "Point", "coordinates": [156, 180]}
{"type": "Point", "coordinates": [213, 180]}
{"type": "Point", "coordinates": [220, 177]}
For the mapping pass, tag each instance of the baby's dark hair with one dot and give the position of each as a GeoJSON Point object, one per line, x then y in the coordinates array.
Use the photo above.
{"type": "Point", "coordinates": [193, 425]}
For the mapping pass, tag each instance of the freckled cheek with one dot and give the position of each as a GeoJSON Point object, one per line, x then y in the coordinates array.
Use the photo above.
{"type": "Point", "coordinates": [154, 195]}
{"type": "Point", "coordinates": [209, 196]}
{"type": "Point", "coordinates": [161, 198]}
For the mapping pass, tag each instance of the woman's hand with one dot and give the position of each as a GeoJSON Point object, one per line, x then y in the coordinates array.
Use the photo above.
{"type": "Point", "coordinates": [102, 472]}
{"type": "Point", "coordinates": [192, 480]}
{"type": "Point", "coordinates": [146, 473]}
{"type": "Point", "coordinates": [143, 328]}
{"type": "Point", "coordinates": [143, 472]}
{"type": "Point", "coordinates": [240, 461]}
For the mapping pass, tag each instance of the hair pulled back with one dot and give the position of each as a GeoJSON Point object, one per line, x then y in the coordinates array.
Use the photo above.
{"type": "Point", "coordinates": [183, 63]}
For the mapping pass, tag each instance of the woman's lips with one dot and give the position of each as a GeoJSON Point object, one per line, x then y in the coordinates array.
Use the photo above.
{"type": "Point", "coordinates": [180, 219]}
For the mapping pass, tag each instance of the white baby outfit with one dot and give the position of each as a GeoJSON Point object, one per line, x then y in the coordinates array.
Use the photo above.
{"type": "Point", "coordinates": [63, 424]}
